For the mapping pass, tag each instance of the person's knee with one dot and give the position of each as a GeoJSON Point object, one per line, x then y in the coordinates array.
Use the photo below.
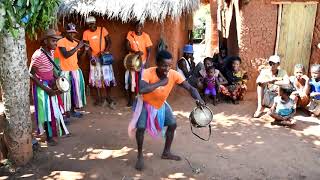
{"type": "Point", "coordinates": [140, 130]}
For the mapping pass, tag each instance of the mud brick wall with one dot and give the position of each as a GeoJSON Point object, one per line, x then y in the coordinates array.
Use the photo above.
{"type": "Point", "coordinates": [315, 51]}
{"type": "Point", "coordinates": [257, 36]}
{"type": "Point", "coordinates": [173, 31]}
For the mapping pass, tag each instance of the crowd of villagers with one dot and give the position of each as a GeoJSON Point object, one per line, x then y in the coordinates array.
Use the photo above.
{"type": "Point", "coordinates": [220, 78]}
{"type": "Point", "coordinates": [215, 79]}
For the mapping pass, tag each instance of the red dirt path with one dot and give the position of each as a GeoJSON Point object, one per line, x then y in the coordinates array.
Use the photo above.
{"type": "Point", "coordinates": [240, 148]}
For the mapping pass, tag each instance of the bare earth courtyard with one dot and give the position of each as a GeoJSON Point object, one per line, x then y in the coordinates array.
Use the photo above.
{"type": "Point", "coordinates": [240, 148]}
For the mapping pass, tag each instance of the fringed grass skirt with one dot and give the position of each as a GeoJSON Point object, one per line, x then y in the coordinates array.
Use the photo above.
{"type": "Point", "coordinates": [48, 112]}
{"type": "Point", "coordinates": [76, 95]}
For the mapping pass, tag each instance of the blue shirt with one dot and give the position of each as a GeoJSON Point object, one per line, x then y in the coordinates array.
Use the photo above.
{"type": "Point", "coordinates": [315, 87]}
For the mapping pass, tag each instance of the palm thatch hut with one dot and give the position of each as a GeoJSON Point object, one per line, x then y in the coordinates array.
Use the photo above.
{"type": "Point", "coordinates": [166, 19]}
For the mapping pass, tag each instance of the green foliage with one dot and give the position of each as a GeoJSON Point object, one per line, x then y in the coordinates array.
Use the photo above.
{"type": "Point", "coordinates": [34, 15]}
{"type": "Point", "coordinates": [199, 20]}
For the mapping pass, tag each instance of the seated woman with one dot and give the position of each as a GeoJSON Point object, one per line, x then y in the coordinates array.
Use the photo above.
{"type": "Point", "coordinates": [300, 85]}
{"type": "Point", "coordinates": [283, 108]}
{"type": "Point", "coordinates": [267, 82]}
{"type": "Point", "coordinates": [237, 80]}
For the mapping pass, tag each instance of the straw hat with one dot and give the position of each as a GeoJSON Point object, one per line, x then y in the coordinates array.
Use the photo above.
{"type": "Point", "coordinates": [50, 33]}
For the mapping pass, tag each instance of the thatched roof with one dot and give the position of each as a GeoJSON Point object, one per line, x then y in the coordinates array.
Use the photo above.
{"type": "Point", "coordinates": [126, 10]}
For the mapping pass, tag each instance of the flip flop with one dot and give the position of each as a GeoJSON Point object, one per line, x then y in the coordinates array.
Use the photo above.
{"type": "Point", "coordinates": [257, 114]}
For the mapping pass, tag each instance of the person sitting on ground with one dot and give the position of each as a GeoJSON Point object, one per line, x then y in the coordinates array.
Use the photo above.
{"type": "Point", "coordinates": [219, 60]}
{"type": "Point", "coordinates": [300, 85]}
{"type": "Point", "coordinates": [283, 108]}
{"type": "Point", "coordinates": [267, 82]}
{"type": "Point", "coordinates": [152, 112]}
{"type": "Point", "coordinates": [237, 80]}
{"type": "Point", "coordinates": [221, 80]}
{"type": "Point", "coordinates": [189, 69]}
{"type": "Point", "coordinates": [314, 105]}
{"type": "Point", "coordinates": [210, 82]}
{"type": "Point", "coordinates": [186, 63]}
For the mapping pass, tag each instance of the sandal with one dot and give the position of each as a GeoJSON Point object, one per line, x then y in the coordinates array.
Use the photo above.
{"type": "Point", "coordinates": [257, 114]}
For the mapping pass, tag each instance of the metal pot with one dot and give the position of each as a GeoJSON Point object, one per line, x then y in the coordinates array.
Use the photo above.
{"type": "Point", "coordinates": [201, 116]}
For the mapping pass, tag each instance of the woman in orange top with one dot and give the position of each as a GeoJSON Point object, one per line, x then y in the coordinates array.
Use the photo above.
{"type": "Point", "coordinates": [138, 42]}
{"type": "Point", "coordinates": [100, 75]}
{"type": "Point", "coordinates": [155, 86]}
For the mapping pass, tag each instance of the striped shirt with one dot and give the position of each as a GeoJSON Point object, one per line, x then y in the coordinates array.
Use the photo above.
{"type": "Point", "coordinates": [42, 65]}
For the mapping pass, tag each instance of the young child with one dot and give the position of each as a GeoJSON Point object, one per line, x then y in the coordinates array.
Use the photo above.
{"type": "Point", "coordinates": [300, 84]}
{"type": "Point", "coordinates": [314, 105]}
{"type": "Point", "coordinates": [210, 82]}
{"type": "Point", "coordinates": [220, 79]}
{"type": "Point", "coordinates": [283, 108]}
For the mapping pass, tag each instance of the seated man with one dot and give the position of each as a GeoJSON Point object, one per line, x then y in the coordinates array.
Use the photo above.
{"type": "Point", "coordinates": [188, 69]}
{"type": "Point", "coordinates": [152, 112]}
{"type": "Point", "coordinates": [267, 82]}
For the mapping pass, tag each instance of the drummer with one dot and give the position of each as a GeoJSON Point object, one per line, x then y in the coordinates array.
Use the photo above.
{"type": "Point", "coordinates": [155, 86]}
{"type": "Point", "coordinates": [69, 52]}
{"type": "Point", "coordinates": [43, 77]}
{"type": "Point", "coordinates": [101, 76]}
{"type": "Point", "coordinates": [137, 42]}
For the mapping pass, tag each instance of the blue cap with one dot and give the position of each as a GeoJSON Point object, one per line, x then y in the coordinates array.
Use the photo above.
{"type": "Point", "coordinates": [188, 48]}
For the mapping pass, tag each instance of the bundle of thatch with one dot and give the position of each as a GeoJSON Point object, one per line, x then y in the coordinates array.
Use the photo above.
{"type": "Point", "coordinates": [126, 10]}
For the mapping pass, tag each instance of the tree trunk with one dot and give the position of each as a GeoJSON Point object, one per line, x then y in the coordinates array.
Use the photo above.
{"type": "Point", "coordinates": [15, 83]}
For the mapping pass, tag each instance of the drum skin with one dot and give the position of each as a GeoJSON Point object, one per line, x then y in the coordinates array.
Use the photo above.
{"type": "Point", "coordinates": [63, 84]}
{"type": "Point", "coordinates": [132, 62]}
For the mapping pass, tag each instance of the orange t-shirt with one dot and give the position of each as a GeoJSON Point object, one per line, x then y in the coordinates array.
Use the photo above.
{"type": "Point", "coordinates": [71, 63]}
{"type": "Point", "coordinates": [139, 43]}
{"type": "Point", "coordinates": [94, 39]}
{"type": "Point", "coordinates": [157, 97]}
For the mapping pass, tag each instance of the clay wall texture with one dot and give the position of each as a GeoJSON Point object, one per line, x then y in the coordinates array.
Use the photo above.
{"type": "Point", "coordinates": [257, 36]}
{"type": "Point", "coordinates": [174, 33]}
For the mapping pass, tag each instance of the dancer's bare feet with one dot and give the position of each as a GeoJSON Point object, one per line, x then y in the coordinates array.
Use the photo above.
{"type": "Point", "coordinates": [170, 156]}
{"type": "Point", "coordinates": [139, 164]}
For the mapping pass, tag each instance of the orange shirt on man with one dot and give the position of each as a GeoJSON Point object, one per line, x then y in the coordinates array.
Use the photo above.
{"type": "Point", "coordinates": [157, 97]}
{"type": "Point", "coordinates": [71, 63]}
{"type": "Point", "coordinates": [94, 39]}
{"type": "Point", "coordinates": [139, 43]}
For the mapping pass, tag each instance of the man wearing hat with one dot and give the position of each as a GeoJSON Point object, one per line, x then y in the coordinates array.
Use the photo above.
{"type": "Point", "coordinates": [48, 105]}
{"type": "Point", "coordinates": [187, 67]}
{"type": "Point", "coordinates": [267, 84]}
{"type": "Point", "coordinates": [69, 51]}
{"type": "Point", "coordinates": [101, 76]}
{"type": "Point", "coordinates": [137, 42]}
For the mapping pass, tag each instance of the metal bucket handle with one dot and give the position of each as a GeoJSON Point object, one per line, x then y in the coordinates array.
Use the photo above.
{"type": "Point", "coordinates": [209, 126]}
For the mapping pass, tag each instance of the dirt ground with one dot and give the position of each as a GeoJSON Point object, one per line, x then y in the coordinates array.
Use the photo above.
{"type": "Point", "coordinates": [240, 148]}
